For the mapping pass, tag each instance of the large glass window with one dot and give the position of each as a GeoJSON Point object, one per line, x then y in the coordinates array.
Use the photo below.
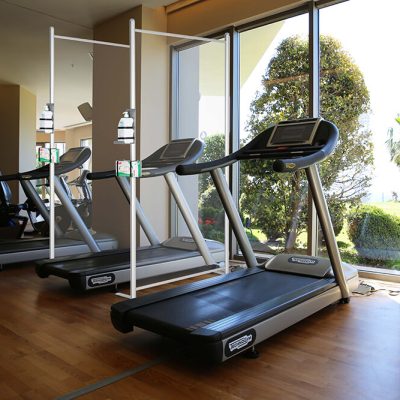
{"type": "Point", "coordinates": [201, 114]}
{"type": "Point", "coordinates": [274, 86]}
{"type": "Point", "coordinates": [360, 93]}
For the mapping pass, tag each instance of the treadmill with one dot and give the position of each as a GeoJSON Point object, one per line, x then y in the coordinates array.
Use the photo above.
{"type": "Point", "coordinates": [224, 316]}
{"type": "Point", "coordinates": [69, 243]}
{"type": "Point", "coordinates": [172, 259]}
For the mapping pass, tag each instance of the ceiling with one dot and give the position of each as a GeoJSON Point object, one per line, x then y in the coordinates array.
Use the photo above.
{"type": "Point", "coordinates": [24, 42]}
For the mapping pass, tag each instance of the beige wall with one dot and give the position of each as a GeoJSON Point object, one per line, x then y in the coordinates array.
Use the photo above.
{"type": "Point", "coordinates": [17, 133]}
{"type": "Point", "coordinates": [9, 133]}
{"type": "Point", "coordinates": [59, 137]}
{"type": "Point", "coordinates": [212, 15]}
{"type": "Point", "coordinates": [110, 99]}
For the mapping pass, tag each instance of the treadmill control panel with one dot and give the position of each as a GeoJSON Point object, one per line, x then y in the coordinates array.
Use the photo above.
{"type": "Point", "coordinates": [294, 133]}
{"type": "Point", "coordinates": [177, 150]}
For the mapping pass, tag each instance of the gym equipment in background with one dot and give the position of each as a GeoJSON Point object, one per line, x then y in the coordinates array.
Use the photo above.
{"type": "Point", "coordinates": [221, 317]}
{"type": "Point", "coordinates": [173, 259]}
{"type": "Point", "coordinates": [76, 241]}
{"type": "Point", "coordinates": [12, 224]}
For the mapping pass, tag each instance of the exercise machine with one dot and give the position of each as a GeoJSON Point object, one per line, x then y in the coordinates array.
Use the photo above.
{"type": "Point", "coordinates": [224, 316]}
{"type": "Point", "coordinates": [171, 259]}
{"type": "Point", "coordinates": [12, 223]}
{"type": "Point", "coordinates": [71, 242]}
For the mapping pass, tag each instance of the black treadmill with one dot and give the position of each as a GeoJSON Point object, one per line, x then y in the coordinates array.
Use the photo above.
{"type": "Point", "coordinates": [67, 243]}
{"type": "Point", "coordinates": [223, 316]}
{"type": "Point", "coordinates": [160, 261]}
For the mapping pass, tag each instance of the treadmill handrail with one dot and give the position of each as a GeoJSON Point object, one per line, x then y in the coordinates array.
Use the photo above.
{"type": "Point", "coordinates": [94, 176]}
{"type": "Point", "coordinates": [200, 168]}
{"type": "Point", "coordinates": [285, 160]}
{"type": "Point", "coordinates": [153, 166]}
{"type": "Point", "coordinates": [63, 167]}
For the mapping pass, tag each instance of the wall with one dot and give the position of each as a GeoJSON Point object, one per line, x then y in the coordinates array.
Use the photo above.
{"type": "Point", "coordinates": [110, 99]}
{"type": "Point", "coordinates": [17, 133]}
{"type": "Point", "coordinates": [211, 15]}
{"type": "Point", "coordinates": [9, 133]}
{"type": "Point", "coordinates": [59, 137]}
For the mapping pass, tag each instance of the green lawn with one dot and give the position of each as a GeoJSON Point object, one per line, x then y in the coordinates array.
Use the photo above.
{"type": "Point", "coordinates": [390, 207]}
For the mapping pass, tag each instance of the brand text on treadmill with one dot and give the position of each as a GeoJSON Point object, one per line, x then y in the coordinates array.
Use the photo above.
{"type": "Point", "coordinates": [297, 260]}
{"type": "Point", "coordinates": [241, 342]}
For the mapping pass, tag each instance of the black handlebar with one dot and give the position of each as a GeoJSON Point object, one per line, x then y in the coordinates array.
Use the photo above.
{"type": "Point", "coordinates": [93, 176]}
{"type": "Point", "coordinates": [194, 169]}
{"type": "Point", "coordinates": [287, 157]}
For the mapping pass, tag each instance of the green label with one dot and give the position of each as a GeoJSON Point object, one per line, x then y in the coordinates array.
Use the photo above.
{"type": "Point", "coordinates": [136, 169]}
{"type": "Point", "coordinates": [128, 168]}
{"type": "Point", "coordinates": [123, 168]}
{"type": "Point", "coordinates": [44, 155]}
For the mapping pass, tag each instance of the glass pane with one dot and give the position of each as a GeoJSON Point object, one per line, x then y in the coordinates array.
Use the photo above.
{"type": "Point", "coordinates": [360, 94]}
{"type": "Point", "coordinates": [72, 87]}
{"type": "Point", "coordinates": [274, 70]}
{"type": "Point", "coordinates": [201, 114]}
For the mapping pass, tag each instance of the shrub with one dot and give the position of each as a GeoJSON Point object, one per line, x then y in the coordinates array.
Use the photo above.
{"type": "Point", "coordinates": [375, 234]}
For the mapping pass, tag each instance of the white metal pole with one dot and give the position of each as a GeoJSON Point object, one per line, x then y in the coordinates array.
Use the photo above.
{"type": "Point", "coordinates": [132, 105]}
{"type": "Point", "coordinates": [52, 214]}
{"type": "Point", "coordinates": [227, 138]}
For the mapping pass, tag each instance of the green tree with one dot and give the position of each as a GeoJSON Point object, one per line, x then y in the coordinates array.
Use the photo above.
{"type": "Point", "coordinates": [393, 145]}
{"type": "Point", "coordinates": [277, 202]}
{"type": "Point", "coordinates": [211, 212]}
{"type": "Point", "coordinates": [214, 148]}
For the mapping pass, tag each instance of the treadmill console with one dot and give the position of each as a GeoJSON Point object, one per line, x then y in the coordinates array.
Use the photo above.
{"type": "Point", "coordinates": [177, 150]}
{"type": "Point", "coordinates": [294, 133]}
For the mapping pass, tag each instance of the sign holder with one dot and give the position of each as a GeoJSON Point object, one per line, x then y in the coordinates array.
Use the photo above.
{"type": "Point", "coordinates": [127, 132]}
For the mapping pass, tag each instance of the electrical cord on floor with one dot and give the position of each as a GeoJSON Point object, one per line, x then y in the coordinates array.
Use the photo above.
{"type": "Point", "coordinates": [364, 289]}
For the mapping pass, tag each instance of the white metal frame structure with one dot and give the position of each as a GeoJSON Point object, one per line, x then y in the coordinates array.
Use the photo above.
{"type": "Point", "coordinates": [132, 106]}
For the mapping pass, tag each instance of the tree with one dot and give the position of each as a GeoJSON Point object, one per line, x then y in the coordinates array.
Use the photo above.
{"type": "Point", "coordinates": [393, 145]}
{"type": "Point", "coordinates": [214, 148]}
{"type": "Point", "coordinates": [276, 203]}
{"type": "Point", "coordinates": [211, 212]}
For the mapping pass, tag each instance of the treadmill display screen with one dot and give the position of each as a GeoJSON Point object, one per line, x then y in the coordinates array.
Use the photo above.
{"type": "Point", "coordinates": [298, 133]}
{"type": "Point", "coordinates": [71, 155]}
{"type": "Point", "coordinates": [177, 150]}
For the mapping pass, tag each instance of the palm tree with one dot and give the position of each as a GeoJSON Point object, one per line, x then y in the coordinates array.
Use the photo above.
{"type": "Point", "coordinates": [393, 145]}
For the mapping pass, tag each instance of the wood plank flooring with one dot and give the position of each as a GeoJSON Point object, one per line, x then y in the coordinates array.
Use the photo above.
{"type": "Point", "coordinates": [54, 341]}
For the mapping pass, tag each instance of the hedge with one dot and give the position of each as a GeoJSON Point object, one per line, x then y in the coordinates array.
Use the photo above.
{"type": "Point", "coordinates": [375, 233]}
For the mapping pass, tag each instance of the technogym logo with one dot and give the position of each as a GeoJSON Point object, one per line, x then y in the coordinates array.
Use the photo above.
{"type": "Point", "coordinates": [305, 261]}
{"type": "Point", "coordinates": [240, 343]}
{"type": "Point", "coordinates": [100, 280]}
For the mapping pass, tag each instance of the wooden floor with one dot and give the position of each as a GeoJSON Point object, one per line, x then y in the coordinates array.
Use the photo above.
{"type": "Point", "coordinates": [53, 342]}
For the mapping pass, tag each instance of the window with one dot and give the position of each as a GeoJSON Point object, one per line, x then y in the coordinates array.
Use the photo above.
{"type": "Point", "coordinates": [360, 94]}
{"type": "Point", "coordinates": [358, 91]}
{"type": "Point", "coordinates": [200, 113]}
{"type": "Point", "coordinates": [274, 86]}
